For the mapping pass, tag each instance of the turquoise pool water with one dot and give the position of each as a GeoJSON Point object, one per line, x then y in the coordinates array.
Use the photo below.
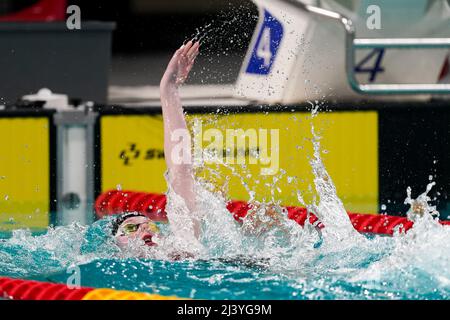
{"type": "Point", "coordinates": [236, 261]}
{"type": "Point", "coordinates": [411, 266]}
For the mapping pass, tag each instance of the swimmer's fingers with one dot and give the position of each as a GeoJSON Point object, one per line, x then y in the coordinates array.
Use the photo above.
{"type": "Point", "coordinates": [187, 53]}
{"type": "Point", "coordinates": [187, 47]}
{"type": "Point", "coordinates": [193, 51]}
{"type": "Point", "coordinates": [176, 58]}
{"type": "Point", "coordinates": [181, 53]}
{"type": "Point", "coordinates": [192, 60]}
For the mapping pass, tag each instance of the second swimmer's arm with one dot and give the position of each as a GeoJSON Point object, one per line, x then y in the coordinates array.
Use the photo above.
{"type": "Point", "coordinates": [180, 170]}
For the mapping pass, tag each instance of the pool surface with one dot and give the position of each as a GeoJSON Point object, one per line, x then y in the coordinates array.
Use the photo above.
{"type": "Point", "coordinates": [286, 261]}
{"type": "Point", "coordinates": [406, 266]}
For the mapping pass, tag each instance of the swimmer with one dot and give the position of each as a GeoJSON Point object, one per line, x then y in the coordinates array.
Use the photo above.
{"type": "Point", "coordinates": [132, 226]}
{"type": "Point", "coordinates": [135, 226]}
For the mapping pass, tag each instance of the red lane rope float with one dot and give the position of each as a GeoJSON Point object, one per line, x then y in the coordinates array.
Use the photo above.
{"type": "Point", "coordinates": [43, 10]}
{"type": "Point", "coordinates": [17, 289]}
{"type": "Point", "coordinates": [152, 205]}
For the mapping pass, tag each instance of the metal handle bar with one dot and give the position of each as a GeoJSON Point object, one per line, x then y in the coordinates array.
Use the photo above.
{"type": "Point", "coordinates": [352, 44]}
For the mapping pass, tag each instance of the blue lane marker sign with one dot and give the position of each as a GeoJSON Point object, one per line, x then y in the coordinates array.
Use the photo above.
{"type": "Point", "coordinates": [266, 46]}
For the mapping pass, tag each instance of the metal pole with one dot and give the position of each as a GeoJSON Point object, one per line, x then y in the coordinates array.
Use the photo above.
{"type": "Point", "coordinates": [69, 196]}
{"type": "Point", "coordinates": [352, 44]}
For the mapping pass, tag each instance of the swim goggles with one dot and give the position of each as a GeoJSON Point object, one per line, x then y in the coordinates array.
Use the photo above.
{"type": "Point", "coordinates": [130, 228]}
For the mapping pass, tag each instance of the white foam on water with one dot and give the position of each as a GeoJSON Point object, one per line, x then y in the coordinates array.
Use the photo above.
{"type": "Point", "coordinates": [418, 259]}
{"type": "Point", "coordinates": [405, 262]}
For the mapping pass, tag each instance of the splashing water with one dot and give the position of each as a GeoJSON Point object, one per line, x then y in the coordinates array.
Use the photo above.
{"type": "Point", "coordinates": [420, 207]}
{"type": "Point", "coordinates": [268, 256]}
{"type": "Point", "coordinates": [286, 261]}
{"type": "Point", "coordinates": [221, 56]}
{"type": "Point", "coordinates": [330, 209]}
{"type": "Point", "coordinates": [249, 260]}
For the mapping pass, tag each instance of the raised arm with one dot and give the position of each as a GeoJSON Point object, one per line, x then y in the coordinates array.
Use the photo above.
{"type": "Point", "coordinates": [176, 134]}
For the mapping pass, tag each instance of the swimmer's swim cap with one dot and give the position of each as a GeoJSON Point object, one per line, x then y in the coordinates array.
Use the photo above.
{"type": "Point", "coordinates": [121, 218]}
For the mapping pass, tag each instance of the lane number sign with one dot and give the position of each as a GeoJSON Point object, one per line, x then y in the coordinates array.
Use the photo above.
{"type": "Point", "coordinates": [266, 46]}
{"type": "Point", "coordinates": [375, 56]}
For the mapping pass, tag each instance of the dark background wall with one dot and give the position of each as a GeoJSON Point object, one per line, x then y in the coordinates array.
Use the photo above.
{"type": "Point", "coordinates": [148, 32]}
{"type": "Point", "coordinates": [162, 25]}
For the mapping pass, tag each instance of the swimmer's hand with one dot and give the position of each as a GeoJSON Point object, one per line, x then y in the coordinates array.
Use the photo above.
{"type": "Point", "coordinates": [179, 256]}
{"type": "Point", "coordinates": [262, 218]}
{"type": "Point", "coordinates": [180, 65]}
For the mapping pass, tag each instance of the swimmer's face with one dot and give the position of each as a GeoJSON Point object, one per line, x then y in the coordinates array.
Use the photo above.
{"type": "Point", "coordinates": [133, 228]}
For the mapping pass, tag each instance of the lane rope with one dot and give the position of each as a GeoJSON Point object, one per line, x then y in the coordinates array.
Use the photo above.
{"type": "Point", "coordinates": [153, 205]}
{"type": "Point", "coordinates": [18, 289]}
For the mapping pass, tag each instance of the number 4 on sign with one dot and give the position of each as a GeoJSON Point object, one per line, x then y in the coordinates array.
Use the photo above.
{"type": "Point", "coordinates": [263, 51]}
{"type": "Point", "coordinates": [373, 71]}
